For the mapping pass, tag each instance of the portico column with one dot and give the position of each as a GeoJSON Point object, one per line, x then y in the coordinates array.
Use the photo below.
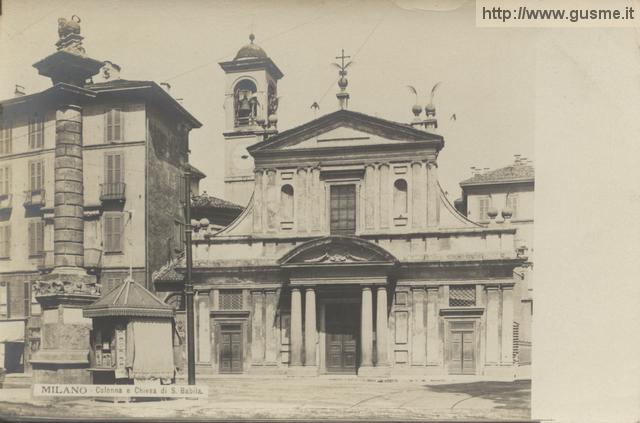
{"type": "Point", "coordinates": [366, 330]}
{"type": "Point", "coordinates": [310, 327]}
{"type": "Point", "coordinates": [296, 327]}
{"type": "Point", "coordinates": [381, 328]}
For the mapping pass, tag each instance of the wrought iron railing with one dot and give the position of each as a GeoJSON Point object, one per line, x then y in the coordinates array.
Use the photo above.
{"type": "Point", "coordinates": [112, 191]}
{"type": "Point", "coordinates": [34, 198]}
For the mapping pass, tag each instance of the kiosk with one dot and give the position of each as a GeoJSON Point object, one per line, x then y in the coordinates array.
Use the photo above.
{"type": "Point", "coordinates": [132, 336]}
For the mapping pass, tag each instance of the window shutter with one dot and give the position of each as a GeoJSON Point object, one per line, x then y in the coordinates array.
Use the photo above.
{"type": "Point", "coordinates": [119, 230]}
{"type": "Point", "coordinates": [30, 236]}
{"type": "Point", "coordinates": [26, 301]}
{"type": "Point", "coordinates": [107, 234]}
{"type": "Point", "coordinates": [117, 124]}
{"type": "Point", "coordinates": [8, 239]}
{"type": "Point", "coordinates": [108, 126]}
{"type": "Point", "coordinates": [40, 234]}
{"type": "Point", "coordinates": [117, 168]}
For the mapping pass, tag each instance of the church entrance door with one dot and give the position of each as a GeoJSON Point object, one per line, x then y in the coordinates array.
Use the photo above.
{"type": "Point", "coordinates": [462, 348]}
{"type": "Point", "coordinates": [231, 349]}
{"type": "Point", "coordinates": [342, 323]}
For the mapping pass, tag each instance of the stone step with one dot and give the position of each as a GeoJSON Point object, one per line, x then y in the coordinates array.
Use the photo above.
{"type": "Point", "coordinates": [17, 380]}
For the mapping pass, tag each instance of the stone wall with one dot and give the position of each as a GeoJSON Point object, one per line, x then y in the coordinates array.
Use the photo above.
{"type": "Point", "coordinates": [166, 155]}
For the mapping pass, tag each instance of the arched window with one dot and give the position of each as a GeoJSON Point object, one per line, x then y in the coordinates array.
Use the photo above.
{"type": "Point", "coordinates": [400, 198]}
{"type": "Point", "coordinates": [245, 102]}
{"type": "Point", "coordinates": [286, 203]}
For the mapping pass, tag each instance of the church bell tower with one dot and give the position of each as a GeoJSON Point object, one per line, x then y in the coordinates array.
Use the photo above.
{"type": "Point", "coordinates": [251, 104]}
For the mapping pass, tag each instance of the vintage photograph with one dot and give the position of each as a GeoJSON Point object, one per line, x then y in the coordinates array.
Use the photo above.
{"type": "Point", "coordinates": [265, 210]}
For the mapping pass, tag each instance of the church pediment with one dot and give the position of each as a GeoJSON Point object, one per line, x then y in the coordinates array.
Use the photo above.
{"type": "Point", "coordinates": [335, 251]}
{"type": "Point", "coordinates": [345, 128]}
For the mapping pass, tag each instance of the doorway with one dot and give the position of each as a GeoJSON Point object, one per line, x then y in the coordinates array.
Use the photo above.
{"type": "Point", "coordinates": [342, 322]}
{"type": "Point", "coordinates": [462, 348]}
{"type": "Point", "coordinates": [231, 349]}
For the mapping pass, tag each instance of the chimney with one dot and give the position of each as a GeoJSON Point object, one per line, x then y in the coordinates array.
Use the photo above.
{"type": "Point", "coordinates": [166, 86]}
{"type": "Point", "coordinates": [19, 91]}
{"type": "Point", "coordinates": [110, 71]}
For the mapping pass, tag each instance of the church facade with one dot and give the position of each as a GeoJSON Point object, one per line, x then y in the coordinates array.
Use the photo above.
{"type": "Point", "coordinates": [348, 258]}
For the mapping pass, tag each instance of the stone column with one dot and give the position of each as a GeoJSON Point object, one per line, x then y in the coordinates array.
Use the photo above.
{"type": "Point", "coordinates": [419, 339]}
{"type": "Point", "coordinates": [370, 196]}
{"type": "Point", "coordinates": [271, 335]}
{"type": "Point", "coordinates": [296, 327]}
{"type": "Point", "coordinates": [257, 327]}
{"type": "Point", "coordinates": [366, 329]}
{"type": "Point", "coordinates": [258, 202]}
{"type": "Point", "coordinates": [433, 340]}
{"type": "Point", "coordinates": [310, 334]}
{"type": "Point", "coordinates": [300, 196]}
{"type": "Point", "coordinates": [63, 356]}
{"type": "Point", "coordinates": [493, 343]}
{"type": "Point", "coordinates": [419, 187]}
{"type": "Point", "coordinates": [507, 325]}
{"type": "Point", "coordinates": [385, 195]}
{"type": "Point", "coordinates": [68, 218]}
{"type": "Point", "coordinates": [382, 328]}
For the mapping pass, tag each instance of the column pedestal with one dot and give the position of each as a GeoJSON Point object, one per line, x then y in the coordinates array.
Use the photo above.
{"type": "Point", "coordinates": [64, 350]}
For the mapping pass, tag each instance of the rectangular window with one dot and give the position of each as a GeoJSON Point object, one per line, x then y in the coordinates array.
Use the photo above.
{"type": "Point", "coordinates": [36, 237]}
{"type": "Point", "coordinates": [113, 232]}
{"type": "Point", "coordinates": [4, 300]}
{"type": "Point", "coordinates": [36, 175]}
{"type": "Point", "coordinates": [114, 168]}
{"type": "Point", "coordinates": [180, 187]}
{"type": "Point", "coordinates": [178, 237]}
{"type": "Point", "coordinates": [5, 241]}
{"type": "Point", "coordinates": [113, 125]}
{"type": "Point", "coordinates": [230, 299]}
{"type": "Point", "coordinates": [5, 138]}
{"type": "Point", "coordinates": [462, 296]}
{"type": "Point", "coordinates": [30, 294]}
{"type": "Point", "coordinates": [484, 205]}
{"type": "Point", "coordinates": [5, 180]}
{"type": "Point", "coordinates": [512, 203]}
{"type": "Point", "coordinates": [343, 209]}
{"type": "Point", "coordinates": [36, 131]}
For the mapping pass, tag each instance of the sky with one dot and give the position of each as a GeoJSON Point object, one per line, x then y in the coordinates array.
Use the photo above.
{"type": "Point", "coordinates": [486, 75]}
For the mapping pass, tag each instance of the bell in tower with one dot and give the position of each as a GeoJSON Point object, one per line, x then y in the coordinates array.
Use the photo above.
{"type": "Point", "coordinates": [251, 104]}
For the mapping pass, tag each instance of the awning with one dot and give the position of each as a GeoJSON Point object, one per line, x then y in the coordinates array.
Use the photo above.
{"type": "Point", "coordinates": [12, 330]}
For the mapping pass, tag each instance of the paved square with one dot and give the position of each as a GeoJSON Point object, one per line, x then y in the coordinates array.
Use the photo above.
{"type": "Point", "coordinates": [295, 398]}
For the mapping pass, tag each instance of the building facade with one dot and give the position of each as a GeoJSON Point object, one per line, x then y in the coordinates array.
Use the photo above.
{"type": "Point", "coordinates": [349, 259]}
{"type": "Point", "coordinates": [509, 190]}
{"type": "Point", "coordinates": [126, 202]}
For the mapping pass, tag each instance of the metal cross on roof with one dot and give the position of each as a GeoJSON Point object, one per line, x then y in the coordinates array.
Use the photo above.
{"type": "Point", "coordinates": [343, 66]}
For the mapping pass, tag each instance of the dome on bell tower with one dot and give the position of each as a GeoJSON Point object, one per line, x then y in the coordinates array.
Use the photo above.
{"type": "Point", "coordinates": [251, 51]}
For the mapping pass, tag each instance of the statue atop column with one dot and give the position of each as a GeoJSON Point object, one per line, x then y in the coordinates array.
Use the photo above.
{"type": "Point", "coordinates": [70, 39]}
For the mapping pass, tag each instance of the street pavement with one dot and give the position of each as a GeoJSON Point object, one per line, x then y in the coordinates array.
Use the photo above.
{"type": "Point", "coordinates": [302, 398]}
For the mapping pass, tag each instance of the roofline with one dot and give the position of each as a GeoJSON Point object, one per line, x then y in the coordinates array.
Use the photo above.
{"type": "Point", "coordinates": [317, 122]}
{"type": "Point", "coordinates": [195, 123]}
{"type": "Point", "coordinates": [233, 66]}
{"type": "Point", "coordinates": [93, 92]}
{"type": "Point", "coordinates": [506, 181]}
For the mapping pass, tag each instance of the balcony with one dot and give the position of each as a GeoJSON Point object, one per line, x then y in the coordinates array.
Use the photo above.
{"type": "Point", "coordinates": [5, 201]}
{"type": "Point", "coordinates": [45, 261]}
{"type": "Point", "coordinates": [92, 258]}
{"type": "Point", "coordinates": [112, 191]}
{"type": "Point", "coordinates": [34, 198]}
